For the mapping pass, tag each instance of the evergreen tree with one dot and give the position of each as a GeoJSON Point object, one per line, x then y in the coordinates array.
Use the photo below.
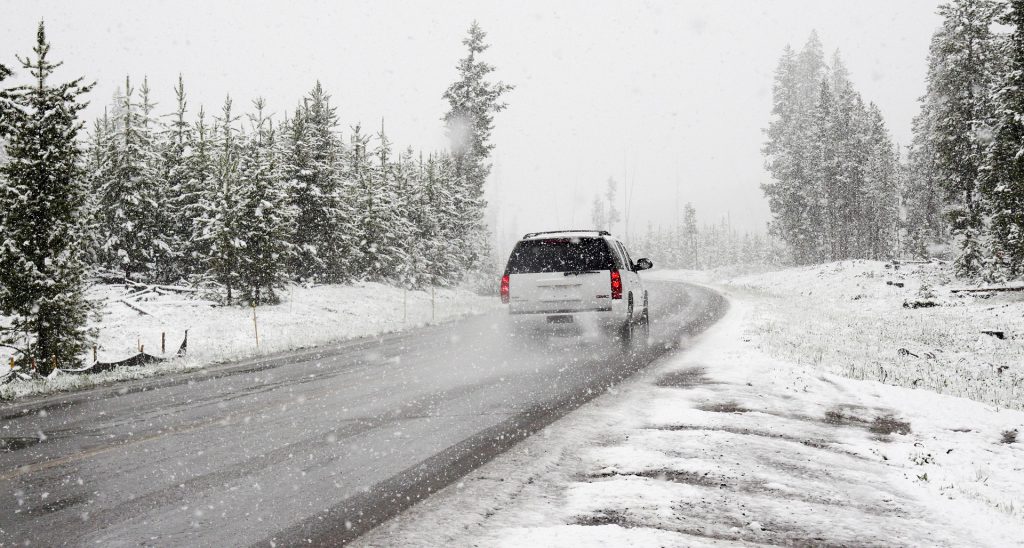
{"type": "Point", "coordinates": [96, 164]}
{"type": "Point", "coordinates": [923, 195]}
{"type": "Point", "coordinates": [221, 205]}
{"type": "Point", "coordinates": [181, 196]}
{"type": "Point", "coordinates": [191, 202]}
{"type": "Point", "coordinates": [962, 65]}
{"type": "Point", "coordinates": [473, 100]}
{"type": "Point", "coordinates": [598, 215]}
{"type": "Point", "coordinates": [691, 259]}
{"type": "Point", "coordinates": [42, 194]}
{"type": "Point", "coordinates": [383, 220]}
{"type": "Point", "coordinates": [163, 267]}
{"type": "Point", "coordinates": [264, 219]}
{"type": "Point", "coordinates": [1004, 182]}
{"type": "Point", "coordinates": [131, 192]}
{"type": "Point", "coordinates": [879, 213]}
{"type": "Point", "coordinates": [313, 163]}
{"type": "Point", "coordinates": [441, 254]}
{"type": "Point", "coordinates": [793, 194]}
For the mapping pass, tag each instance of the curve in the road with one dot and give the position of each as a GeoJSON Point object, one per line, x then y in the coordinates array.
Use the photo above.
{"type": "Point", "coordinates": [312, 446]}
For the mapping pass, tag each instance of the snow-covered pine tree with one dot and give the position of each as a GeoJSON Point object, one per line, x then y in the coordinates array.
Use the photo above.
{"type": "Point", "coordinates": [220, 206]}
{"type": "Point", "coordinates": [820, 190]}
{"type": "Point", "coordinates": [923, 195]}
{"type": "Point", "coordinates": [410, 175]}
{"type": "Point", "coordinates": [792, 193]}
{"type": "Point", "coordinates": [879, 207]}
{"type": "Point", "coordinates": [455, 242]}
{"type": "Point", "coordinates": [5, 104]}
{"type": "Point", "coordinates": [163, 267]}
{"type": "Point", "coordinates": [370, 180]}
{"type": "Point", "coordinates": [181, 196]}
{"type": "Point", "coordinates": [691, 259]}
{"type": "Point", "coordinates": [1003, 185]}
{"type": "Point", "coordinates": [313, 164]}
{"type": "Point", "coordinates": [264, 219]}
{"type": "Point", "coordinates": [190, 203]}
{"type": "Point", "coordinates": [598, 215]}
{"type": "Point", "coordinates": [130, 193]}
{"type": "Point", "coordinates": [384, 220]}
{"type": "Point", "coordinates": [96, 160]}
{"type": "Point", "coordinates": [441, 254]}
{"type": "Point", "coordinates": [845, 193]}
{"type": "Point", "coordinates": [962, 66]}
{"type": "Point", "coordinates": [405, 192]}
{"type": "Point", "coordinates": [42, 193]}
{"type": "Point", "coordinates": [473, 100]}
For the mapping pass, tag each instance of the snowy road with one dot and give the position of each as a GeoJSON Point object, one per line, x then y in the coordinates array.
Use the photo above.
{"type": "Point", "coordinates": [314, 446]}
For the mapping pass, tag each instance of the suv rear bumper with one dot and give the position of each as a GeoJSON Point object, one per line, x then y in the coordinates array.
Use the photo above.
{"type": "Point", "coordinates": [610, 316]}
{"type": "Point", "coordinates": [558, 311]}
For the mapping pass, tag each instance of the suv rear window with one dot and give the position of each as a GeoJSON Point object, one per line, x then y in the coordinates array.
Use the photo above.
{"type": "Point", "coordinates": [560, 255]}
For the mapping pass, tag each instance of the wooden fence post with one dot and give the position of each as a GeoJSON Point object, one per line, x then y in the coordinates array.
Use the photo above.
{"type": "Point", "coordinates": [255, 325]}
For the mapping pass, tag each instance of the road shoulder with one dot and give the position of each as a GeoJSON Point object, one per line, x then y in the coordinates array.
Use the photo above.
{"type": "Point", "coordinates": [721, 444]}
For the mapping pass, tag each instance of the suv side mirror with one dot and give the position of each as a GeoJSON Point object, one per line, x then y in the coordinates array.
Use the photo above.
{"type": "Point", "coordinates": [643, 264]}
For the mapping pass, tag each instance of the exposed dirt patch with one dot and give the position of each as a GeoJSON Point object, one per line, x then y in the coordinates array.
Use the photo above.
{"type": "Point", "coordinates": [606, 517]}
{"type": "Point", "coordinates": [1009, 436]}
{"type": "Point", "coordinates": [724, 407]}
{"type": "Point", "coordinates": [704, 479]}
{"type": "Point", "coordinates": [685, 378]}
{"type": "Point", "coordinates": [889, 425]}
{"type": "Point", "coordinates": [860, 417]}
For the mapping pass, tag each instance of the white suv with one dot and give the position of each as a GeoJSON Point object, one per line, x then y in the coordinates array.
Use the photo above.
{"type": "Point", "coordinates": [576, 276]}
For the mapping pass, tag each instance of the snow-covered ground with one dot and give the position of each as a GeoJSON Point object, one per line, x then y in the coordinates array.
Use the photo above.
{"type": "Point", "coordinates": [853, 318]}
{"type": "Point", "coordinates": [725, 444]}
{"type": "Point", "coordinates": [308, 316]}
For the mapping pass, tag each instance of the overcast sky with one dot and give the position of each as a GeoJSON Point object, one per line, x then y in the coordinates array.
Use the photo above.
{"type": "Point", "coordinates": [671, 95]}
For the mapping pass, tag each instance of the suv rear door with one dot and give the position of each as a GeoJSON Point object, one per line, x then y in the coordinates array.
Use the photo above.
{"type": "Point", "coordinates": [631, 279]}
{"type": "Point", "coordinates": [560, 275]}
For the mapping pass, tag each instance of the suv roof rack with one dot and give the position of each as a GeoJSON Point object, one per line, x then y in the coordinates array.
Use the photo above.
{"type": "Point", "coordinates": [532, 234]}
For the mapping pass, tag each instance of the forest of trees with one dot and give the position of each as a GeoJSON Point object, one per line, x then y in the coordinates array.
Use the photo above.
{"type": "Point", "coordinates": [835, 171]}
{"type": "Point", "coordinates": [233, 199]}
{"type": "Point", "coordinates": [692, 246]}
{"type": "Point", "coordinates": [839, 188]}
{"type": "Point", "coordinates": [965, 167]}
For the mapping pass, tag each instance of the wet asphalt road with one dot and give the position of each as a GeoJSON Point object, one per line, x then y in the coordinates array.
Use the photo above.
{"type": "Point", "coordinates": [313, 446]}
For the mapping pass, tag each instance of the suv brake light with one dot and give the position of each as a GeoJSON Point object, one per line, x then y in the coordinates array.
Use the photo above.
{"type": "Point", "coordinates": [616, 285]}
{"type": "Point", "coordinates": [504, 289]}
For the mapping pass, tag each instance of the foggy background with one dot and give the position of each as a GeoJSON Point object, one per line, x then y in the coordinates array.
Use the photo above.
{"type": "Point", "coordinates": [668, 98]}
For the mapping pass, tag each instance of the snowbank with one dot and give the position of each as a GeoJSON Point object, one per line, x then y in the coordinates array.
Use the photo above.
{"type": "Point", "coordinates": [307, 317]}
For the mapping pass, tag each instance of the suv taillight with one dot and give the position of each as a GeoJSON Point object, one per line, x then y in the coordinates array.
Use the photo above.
{"type": "Point", "coordinates": [504, 288]}
{"type": "Point", "coordinates": [616, 285]}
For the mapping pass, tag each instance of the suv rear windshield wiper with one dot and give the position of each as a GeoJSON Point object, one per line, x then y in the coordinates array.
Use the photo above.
{"type": "Point", "coordinates": [578, 272]}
